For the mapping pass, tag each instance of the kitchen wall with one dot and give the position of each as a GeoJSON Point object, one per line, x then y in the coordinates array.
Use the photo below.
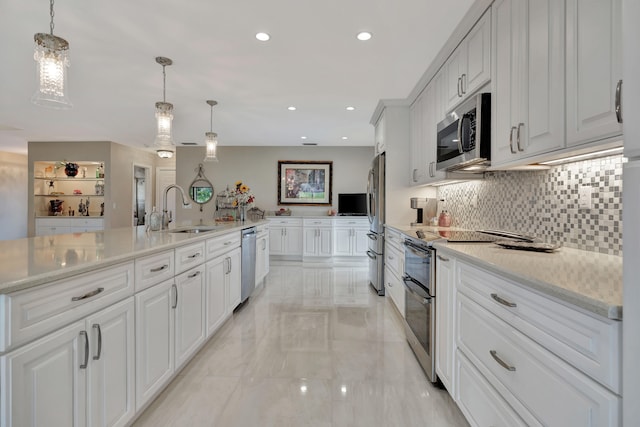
{"type": "Point", "coordinates": [258, 168]}
{"type": "Point", "coordinates": [545, 203]}
{"type": "Point", "coordinates": [14, 194]}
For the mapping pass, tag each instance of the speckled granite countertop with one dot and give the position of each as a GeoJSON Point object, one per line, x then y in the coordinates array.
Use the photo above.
{"type": "Point", "coordinates": [585, 279]}
{"type": "Point", "coordinates": [34, 261]}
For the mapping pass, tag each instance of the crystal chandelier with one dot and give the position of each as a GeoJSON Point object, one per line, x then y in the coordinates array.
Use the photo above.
{"type": "Point", "coordinates": [164, 115]}
{"type": "Point", "coordinates": [211, 139]}
{"type": "Point", "coordinates": [52, 55]}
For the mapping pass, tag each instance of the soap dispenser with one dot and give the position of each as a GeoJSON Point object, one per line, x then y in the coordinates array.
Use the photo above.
{"type": "Point", "coordinates": [155, 220]}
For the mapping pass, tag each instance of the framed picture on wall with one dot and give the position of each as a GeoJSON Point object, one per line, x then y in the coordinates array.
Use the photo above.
{"type": "Point", "coordinates": [306, 183]}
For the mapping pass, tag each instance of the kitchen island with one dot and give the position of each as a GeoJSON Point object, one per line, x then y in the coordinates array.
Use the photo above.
{"type": "Point", "coordinates": [96, 325]}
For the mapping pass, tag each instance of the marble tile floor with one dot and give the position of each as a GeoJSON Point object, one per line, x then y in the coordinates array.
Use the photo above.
{"type": "Point", "coordinates": [314, 346]}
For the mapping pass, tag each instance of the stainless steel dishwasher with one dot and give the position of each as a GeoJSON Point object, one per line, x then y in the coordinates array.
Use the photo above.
{"type": "Point", "coordinates": [248, 262]}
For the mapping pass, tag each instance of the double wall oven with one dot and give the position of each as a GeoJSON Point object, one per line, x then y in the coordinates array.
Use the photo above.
{"type": "Point", "coordinates": [420, 294]}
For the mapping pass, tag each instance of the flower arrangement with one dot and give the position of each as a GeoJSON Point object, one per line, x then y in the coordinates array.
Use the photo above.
{"type": "Point", "coordinates": [244, 197]}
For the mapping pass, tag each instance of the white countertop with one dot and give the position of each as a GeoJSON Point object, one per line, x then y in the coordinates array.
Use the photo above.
{"type": "Point", "coordinates": [589, 280]}
{"type": "Point", "coordinates": [34, 261]}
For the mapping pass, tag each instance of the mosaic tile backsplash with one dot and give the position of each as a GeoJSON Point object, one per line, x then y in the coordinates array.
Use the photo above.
{"type": "Point", "coordinates": [546, 204]}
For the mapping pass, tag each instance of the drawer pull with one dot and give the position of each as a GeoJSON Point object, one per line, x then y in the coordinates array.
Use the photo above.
{"type": "Point", "coordinates": [155, 270]}
{"type": "Point", "coordinates": [227, 243]}
{"type": "Point", "coordinates": [88, 295]}
{"type": "Point", "coordinates": [501, 362]}
{"type": "Point", "coordinates": [503, 301]}
{"type": "Point", "coordinates": [441, 258]}
{"type": "Point", "coordinates": [196, 255]}
{"type": "Point", "coordinates": [196, 274]}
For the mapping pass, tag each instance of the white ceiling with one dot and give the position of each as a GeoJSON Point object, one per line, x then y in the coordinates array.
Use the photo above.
{"type": "Point", "coordinates": [313, 61]}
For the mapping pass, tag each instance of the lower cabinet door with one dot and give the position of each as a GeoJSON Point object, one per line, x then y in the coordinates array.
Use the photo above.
{"type": "Point", "coordinates": [110, 375]}
{"type": "Point", "coordinates": [234, 278]}
{"type": "Point", "coordinates": [479, 402]}
{"type": "Point", "coordinates": [189, 314]}
{"type": "Point", "coordinates": [154, 340]}
{"type": "Point", "coordinates": [44, 383]}
{"type": "Point", "coordinates": [216, 299]}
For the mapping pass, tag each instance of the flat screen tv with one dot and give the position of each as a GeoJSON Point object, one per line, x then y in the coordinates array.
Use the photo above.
{"type": "Point", "coordinates": [352, 204]}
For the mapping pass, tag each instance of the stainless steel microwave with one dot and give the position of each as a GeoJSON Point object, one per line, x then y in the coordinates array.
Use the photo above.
{"type": "Point", "coordinates": [464, 136]}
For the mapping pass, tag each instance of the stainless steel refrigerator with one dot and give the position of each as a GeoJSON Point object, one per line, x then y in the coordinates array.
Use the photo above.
{"type": "Point", "coordinates": [375, 212]}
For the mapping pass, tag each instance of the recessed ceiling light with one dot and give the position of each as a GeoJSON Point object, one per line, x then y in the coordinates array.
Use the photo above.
{"type": "Point", "coordinates": [291, 108]}
{"type": "Point", "coordinates": [351, 108]}
{"type": "Point", "coordinates": [364, 36]}
{"type": "Point", "coordinates": [263, 37]}
{"type": "Point", "coordinates": [303, 137]}
{"type": "Point", "coordinates": [344, 137]}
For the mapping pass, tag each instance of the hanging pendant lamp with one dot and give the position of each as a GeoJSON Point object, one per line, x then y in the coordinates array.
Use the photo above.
{"type": "Point", "coordinates": [164, 116]}
{"type": "Point", "coordinates": [211, 139]}
{"type": "Point", "coordinates": [52, 55]}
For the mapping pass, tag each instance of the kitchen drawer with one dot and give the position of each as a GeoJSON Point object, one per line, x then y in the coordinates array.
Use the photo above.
{"type": "Point", "coordinates": [220, 244]}
{"type": "Point", "coordinates": [87, 222]}
{"type": "Point", "coordinates": [189, 256]}
{"type": "Point", "coordinates": [394, 288]}
{"type": "Point", "coordinates": [351, 222]}
{"type": "Point", "coordinates": [479, 402]}
{"type": "Point", "coordinates": [394, 259]}
{"type": "Point", "coordinates": [262, 229]}
{"type": "Point", "coordinates": [54, 221]}
{"type": "Point", "coordinates": [285, 222]}
{"type": "Point", "coordinates": [543, 389]}
{"type": "Point", "coordinates": [154, 269]}
{"type": "Point", "coordinates": [32, 313]}
{"type": "Point", "coordinates": [317, 222]}
{"type": "Point", "coordinates": [593, 345]}
{"type": "Point", "coordinates": [393, 238]}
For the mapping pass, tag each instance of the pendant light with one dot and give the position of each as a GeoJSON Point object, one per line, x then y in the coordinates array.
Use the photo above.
{"type": "Point", "coordinates": [211, 139]}
{"type": "Point", "coordinates": [52, 55]}
{"type": "Point", "coordinates": [164, 116]}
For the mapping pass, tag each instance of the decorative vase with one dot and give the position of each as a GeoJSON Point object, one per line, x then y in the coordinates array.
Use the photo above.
{"type": "Point", "coordinates": [71, 169]}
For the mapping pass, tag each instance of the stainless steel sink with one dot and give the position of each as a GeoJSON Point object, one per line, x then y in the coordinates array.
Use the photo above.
{"type": "Point", "coordinates": [196, 229]}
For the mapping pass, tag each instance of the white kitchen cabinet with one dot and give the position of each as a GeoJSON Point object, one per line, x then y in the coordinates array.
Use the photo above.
{"type": "Point", "coordinates": [594, 69]}
{"type": "Point", "coordinates": [82, 374]}
{"type": "Point", "coordinates": [380, 140]}
{"type": "Point", "coordinates": [418, 138]}
{"type": "Point", "coordinates": [216, 297]}
{"type": "Point", "coordinates": [111, 369]}
{"type": "Point", "coordinates": [394, 288]}
{"type": "Point", "coordinates": [394, 269]}
{"type": "Point", "coordinates": [262, 253]}
{"type": "Point", "coordinates": [155, 334]}
{"type": "Point", "coordinates": [528, 79]}
{"type": "Point", "coordinates": [445, 321]}
{"type": "Point", "coordinates": [317, 238]}
{"type": "Point", "coordinates": [469, 66]}
{"type": "Point", "coordinates": [43, 383]}
{"type": "Point", "coordinates": [233, 280]}
{"type": "Point", "coordinates": [189, 313]}
{"type": "Point", "coordinates": [285, 237]}
{"type": "Point", "coordinates": [350, 237]}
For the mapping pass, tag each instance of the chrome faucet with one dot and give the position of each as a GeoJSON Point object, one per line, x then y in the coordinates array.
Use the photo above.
{"type": "Point", "coordinates": [166, 216]}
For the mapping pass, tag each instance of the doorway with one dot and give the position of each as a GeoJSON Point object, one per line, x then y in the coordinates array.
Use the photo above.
{"type": "Point", "coordinates": [141, 193]}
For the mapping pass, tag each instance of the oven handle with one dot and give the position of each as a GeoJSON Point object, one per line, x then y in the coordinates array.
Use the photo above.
{"type": "Point", "coordinates": [417, 251]}
{"type": "Point", "coordinates": [422, 300]}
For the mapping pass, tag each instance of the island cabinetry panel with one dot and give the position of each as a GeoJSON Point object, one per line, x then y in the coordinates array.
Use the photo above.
{"type": "Point", "coordinates": [60, 379]}
{"type": "Point", "coordinates": [154, 269]}
{"type": "Point", "coordinates": [190, 313]}
{"type": "Point", "coordinates": [32, 313]}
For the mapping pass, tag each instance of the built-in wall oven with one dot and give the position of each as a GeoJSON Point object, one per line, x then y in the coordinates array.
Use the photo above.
{"type": "Point", "coordinates": [420, 294]}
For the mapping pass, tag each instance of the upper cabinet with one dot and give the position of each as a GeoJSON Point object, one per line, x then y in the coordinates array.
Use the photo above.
{"type": "Point", "coordinates": [469, 66]}
{"type": "Point", "coordinates": [381, 146]}
{"type": "Point", "coordinates": [539, 107]}
{"type": "Point", "coordinates": [528, 78]}
{"type": "Point", "coordinates": [594, 70]}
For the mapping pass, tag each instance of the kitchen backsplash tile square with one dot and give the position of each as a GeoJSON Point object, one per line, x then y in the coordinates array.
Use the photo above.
{"type": "Point", "coordinates": [545, 203]}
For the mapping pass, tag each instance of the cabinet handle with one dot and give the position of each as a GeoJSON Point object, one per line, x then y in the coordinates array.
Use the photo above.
{"type": "Point", "coordinates": [462, 84]}
{"type": "Point", "coordinates": [501, 362]}
{"type": "Point", "coordinates": [196, 255]}
{"type": "Point", "coordinates": [88, 295]}
{"type": "Point", "coordinates": [503, 301]}
{"type": "Point", "coordinates": [97, 328]}
{"type": "Point", "coordinates": [431, 173]}
{"type": "Point", "coordinates": [155, 270]}
{"type": "Point", "coordinates": [227, 243]}
{"type": "Point", "coordinates": [196, 274]}
{"type": "Point", "coordinates": [518, 137]}
{"type": "Point", "coordinates": [86, 349]}
{"type": "Point", "coordinates": [513, 151]}
{"type": "Point", "coordinates": [174, 288]}
{"type": "Point", "coordinates": [413, 176]}
{"type": "Point", "coordinates": [441, 258]}
{"type": "Point", "coordinates": [619, 101]}
{"type": "Point", "coordinates": [458, 88]}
